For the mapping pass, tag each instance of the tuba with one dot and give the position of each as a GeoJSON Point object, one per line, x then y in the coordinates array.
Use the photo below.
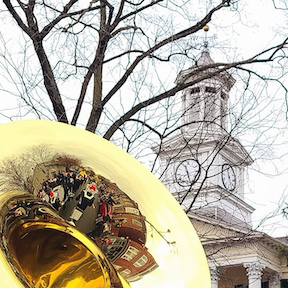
{"type": "Point", "coordinates": [77, 211]}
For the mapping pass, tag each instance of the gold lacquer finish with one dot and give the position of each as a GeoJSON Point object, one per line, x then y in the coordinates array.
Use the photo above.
{"type": "Point", "coordinates": [93, 216]}
{"type": "Point", "coordinates": [45, 251]}
{"type": "Point", "coordinates": [53, 260]}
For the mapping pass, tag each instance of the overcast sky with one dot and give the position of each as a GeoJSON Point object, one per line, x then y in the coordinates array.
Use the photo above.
{"type": "Point", "coordinates": [257, 26]}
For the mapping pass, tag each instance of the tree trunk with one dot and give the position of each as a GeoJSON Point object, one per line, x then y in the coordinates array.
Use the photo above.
{"type": "Point", "coordinates": [49, 82]}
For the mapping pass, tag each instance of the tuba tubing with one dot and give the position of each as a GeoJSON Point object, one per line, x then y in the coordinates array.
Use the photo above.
{"type": "Point", "coordinates": [40, 249]}
{"type": "Point", "coordinates": [136, 231]}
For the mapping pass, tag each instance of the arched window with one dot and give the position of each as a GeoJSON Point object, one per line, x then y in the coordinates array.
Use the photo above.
{"type": "Point", "coordinates": [130, 253]}
{"type": "Point", "coordinates": [141, 261]}
{"type": "Point", "coordinates": [125, 272]}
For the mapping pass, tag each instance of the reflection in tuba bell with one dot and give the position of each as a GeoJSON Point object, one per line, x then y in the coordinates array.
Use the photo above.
{"type": "Point", "coordinates": [45, 251]}
{"type": "Point", "coordinates": [76, 211]}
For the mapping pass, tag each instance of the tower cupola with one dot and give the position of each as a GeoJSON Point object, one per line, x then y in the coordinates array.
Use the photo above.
{"type": "Point", "coordinates": [204, 105]}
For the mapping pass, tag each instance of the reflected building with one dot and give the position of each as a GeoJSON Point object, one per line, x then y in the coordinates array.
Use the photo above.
{"type": "Point", "coordinates": [101, 210]}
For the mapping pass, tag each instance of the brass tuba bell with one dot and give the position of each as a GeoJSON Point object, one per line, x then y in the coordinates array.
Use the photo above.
{"type": "Point", "coordinates": [87, 214]}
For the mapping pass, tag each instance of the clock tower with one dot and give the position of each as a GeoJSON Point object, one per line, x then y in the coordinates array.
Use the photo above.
{"type": "Point", "coordinates": [203, 165]}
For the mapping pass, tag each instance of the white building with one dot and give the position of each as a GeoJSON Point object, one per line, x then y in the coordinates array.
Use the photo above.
{"type": "Point", "coordinates": [204, 167]}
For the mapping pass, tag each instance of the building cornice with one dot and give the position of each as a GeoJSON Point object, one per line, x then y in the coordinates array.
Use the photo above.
{"type": "Point", "coordinates": [218, 223]}
{"type": "Point", "coordinates": [252, 236]}
{"type": "Point", "coordinates": [179, 143]}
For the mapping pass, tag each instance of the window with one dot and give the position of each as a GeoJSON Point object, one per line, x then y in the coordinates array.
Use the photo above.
{"type": "Point", "coordinates": [130, 253]}
{"type": "Point", "coordinates": [119, 208]}
{"type": "Point", "coordinates": [222, 114]}
{"type": "Point", "coordinates": [192, 110]}
{"type": "Point", "coordinates": [210, 90]}
{"type": "Point", "coordinates": [132, 210]}
{"type": "Point", "coordinates": [284, 283]}
{"type": "Point", "coordinates": [136, 222]}
{"type": "Point", "coordinates": [121, 220]}
{"type": "Point", "coordinates": [210, 108]}
{"type": "Point", "coordinates": [141, 261]}
{"type": "Point", "coordinates": [114, 251]}
{"type": "Point", "coordinates": [125, 272]}
{"type": "Point", "coordinates": [195, 90]}
{"type": "Point", "coordinates": [117, 202]}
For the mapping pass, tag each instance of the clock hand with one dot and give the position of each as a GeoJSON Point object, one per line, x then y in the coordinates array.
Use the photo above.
{"type": "Point", "coordinates": [187, 173]}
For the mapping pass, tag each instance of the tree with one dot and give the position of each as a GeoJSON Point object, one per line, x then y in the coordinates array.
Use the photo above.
{"type": "Point", "coordinates": [67, 161]}
{"type": "Point", "coordinates": [16, 173]}
{"type": "Point", "coordinates": [101, 36]}
{"type": "Point", "coordinates": [108, 66]}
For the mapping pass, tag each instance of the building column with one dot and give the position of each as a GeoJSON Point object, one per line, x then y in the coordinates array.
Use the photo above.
{"type": "Point", "coordinates": [274, 280]}
{"type": "Point", "coordinates": [254, 273]}
{"type": "Point", "coordinates": [214, 277]}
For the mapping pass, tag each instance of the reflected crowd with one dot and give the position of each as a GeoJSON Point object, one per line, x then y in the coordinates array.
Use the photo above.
{"type": "Point", "coordinates": [102, 211]}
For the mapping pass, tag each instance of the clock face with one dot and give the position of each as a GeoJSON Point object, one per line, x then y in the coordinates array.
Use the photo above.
{"type": "Point", "coordinates": [188, 172]}
{"type": "Point", "coordinates": [228, 177]}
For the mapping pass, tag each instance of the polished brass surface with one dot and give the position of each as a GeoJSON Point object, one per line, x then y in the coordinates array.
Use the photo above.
{"type": "Point", "coordinates": [53, 260]}
{"type": "Point", "coordinates": [45, 251]}
{"type": "Point", "coordinates": [139, 229]}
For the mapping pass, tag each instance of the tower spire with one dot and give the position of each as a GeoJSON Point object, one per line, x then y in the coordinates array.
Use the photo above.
{"type": "Point", "coordinates": [206, 29]}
